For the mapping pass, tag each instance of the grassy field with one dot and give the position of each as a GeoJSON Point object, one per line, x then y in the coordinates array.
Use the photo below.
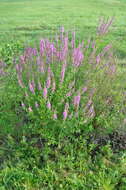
{"type": "Point", "coordinates": [50, 140]}
{"type": "Point", "coordinates": [29, 19]}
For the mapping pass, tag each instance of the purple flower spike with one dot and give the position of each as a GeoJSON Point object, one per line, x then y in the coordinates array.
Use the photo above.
{"type": "Point", "coordinates": [65, 113]}
{"type": "Point", "coordinates": [52, 48]}
{"type": "Point", "coordinates": [112, 69]}
{"type": "Point", "coordinates": [98, 59]}
{"type": "Point", "coordinates": [22, 59]}
{"type": "Point", "coordinates": [34, 51]}
{"type": "Point", "coordinates": [93, 45]}
{"type": "Point", "coordinates": [77, 57]}
{"type": "Point", "coordinates": [45, 91]}
{"type": "Point", "coordinates": [48, 83]}
{"type": "Point", "coordinates": [48, 105]}
{"type": "Point", "coordinates": [77, 100]}
{"type": "Point", "coordinates": [31, 87]}
{"type": "Point", "coordinates": [36, 105]}
{"type": "Point", "coordinates": [103, 27]}
{"type": "Point", "coordinates": [40, 65]}
{"type": "Point", "coordinates": [42, 47]}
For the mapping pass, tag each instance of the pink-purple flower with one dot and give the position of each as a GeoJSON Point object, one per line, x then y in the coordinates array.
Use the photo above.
{"type": "Point", "coordinates": [65, 113]}
{"type": "Point", "coordinates": [48, 105]}
{"type": "Point", "coordinates": [45, 91]}
{"type": "Point", "coordinates": [32, 86]}
{"type": "Point", "coordinates": [63, 72]}
{"type": "Point", "coordinates": [76, 101]}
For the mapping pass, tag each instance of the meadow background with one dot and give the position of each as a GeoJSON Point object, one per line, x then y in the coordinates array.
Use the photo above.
{"type": "Point", "coordinates": [33, 157]}
{"type": "Point", "coordinates": [28, 21]}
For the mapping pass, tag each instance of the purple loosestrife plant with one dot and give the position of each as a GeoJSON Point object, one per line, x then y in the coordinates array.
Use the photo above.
{"type": "Point", "coordinates": [76, 100]}
{"type": "Point", "coordinates": [48, 82]}
{"type": "Point", "coordinates": [104, 26]}
{"type": "Point", "coordinates": [65, 113]}
{"type": "Point", "coordinates": [42, 47]}
{"type": "Point", "coordinates": [22, 60]}
{"type": "Point", "coordinates": [40, 65]}
{"type": "Point", "coordinates": [77, 57]}
{"type": "Point", "coordinates": [65, 84]}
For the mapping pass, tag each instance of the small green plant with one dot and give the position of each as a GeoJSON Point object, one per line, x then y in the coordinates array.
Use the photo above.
{"type": "Point", "coordinates": [9, 51]}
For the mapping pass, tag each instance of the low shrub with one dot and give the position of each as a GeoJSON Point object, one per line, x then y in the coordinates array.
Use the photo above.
{"type": "Point", "coordinates": [62, 81]}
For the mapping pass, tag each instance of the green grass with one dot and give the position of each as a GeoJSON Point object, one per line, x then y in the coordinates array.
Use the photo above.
{"type": "Point", "coordinates": [53, 156]}
{"type": "Point", "coordinates": [30, 20]}
{"type": "Point", "coordinates": [64, 164]}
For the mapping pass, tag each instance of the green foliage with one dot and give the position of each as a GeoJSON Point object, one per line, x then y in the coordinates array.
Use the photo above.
{"type": "Point", "coordinates": [11, 116]}
{"type": "Point", "coordinates": [38, 164]}
{"type": "Point", "coordinates": [8, 51]}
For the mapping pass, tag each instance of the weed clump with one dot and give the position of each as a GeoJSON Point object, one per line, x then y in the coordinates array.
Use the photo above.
{"type": "Point", "coordinates": [65, 81]}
